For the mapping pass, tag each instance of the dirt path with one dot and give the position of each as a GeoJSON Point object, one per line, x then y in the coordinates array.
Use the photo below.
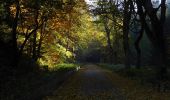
{"type": "Point", "coordinates": [89, 83]}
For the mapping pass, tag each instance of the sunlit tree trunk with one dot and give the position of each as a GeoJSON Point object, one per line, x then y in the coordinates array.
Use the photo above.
{"type": "Point", "coordinates": [34, 53]}
{"type": "Point", "coordinates": [41, 40]}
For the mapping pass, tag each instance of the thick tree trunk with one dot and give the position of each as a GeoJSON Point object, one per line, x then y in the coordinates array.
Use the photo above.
{"type": "Point", "coordinates": [158, 28]}
{"type": "Point", "coordinates": [155, 34]}
{"type": "Point", "coordinates": [14, 35]}
{"type": "Point", "coordinates": [162, 19]}
{"type": "Point", "coordinates": [126, 21]}
{"type": "Point", "coordinates": [143, 25]}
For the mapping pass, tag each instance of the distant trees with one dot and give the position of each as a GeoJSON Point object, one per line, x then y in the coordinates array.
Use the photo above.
{"type": "Point", "coordinates": [104, 9]}
{"type": "Point", "coordinates": [149, 19]}
{"type": "Point", "coordinates": [110, 15]}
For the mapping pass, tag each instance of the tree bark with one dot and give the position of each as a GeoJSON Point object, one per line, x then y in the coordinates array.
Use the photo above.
{"type": "Point", "coordinates": [26, 39]}
{"type": "Point", "coordinates": [155, 33]}
{"type": "Point", "coordinates": [137, 47]}
{"type": "Point", "coordinates": [14, 35]}
{"type": "Point", "coordinates": [126, 21]}
{"type": "Point", "coordinates": [107, 30]}
{"type": "Point", "coordinates": [158, 30]}
{"type": "Point", "coordinates": [34, 53]}
{"type": "Point", "coordinates": [143, 25]}
{"type": "Point", "coordinates": [40, 40]}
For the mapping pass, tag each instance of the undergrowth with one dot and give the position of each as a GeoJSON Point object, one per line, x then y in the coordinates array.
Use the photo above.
{"type": "Point", "coordinates": [31, 84]}
{"type": "Point", "coordinates": [62, 67]}
{"type": "Point", "coordinates": [137, 84]}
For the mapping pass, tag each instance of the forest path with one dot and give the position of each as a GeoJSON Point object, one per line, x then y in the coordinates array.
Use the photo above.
{"type": "Point", "coordinates": [89, 83]}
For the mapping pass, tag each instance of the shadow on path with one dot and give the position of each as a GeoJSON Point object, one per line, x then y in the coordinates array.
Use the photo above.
{"type": "Point", "coordinates": [89, 83]}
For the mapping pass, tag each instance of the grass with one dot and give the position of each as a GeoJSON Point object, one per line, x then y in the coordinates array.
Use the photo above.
{"type": "Point", "coordinates": [111, 66]}
{"type": "Point", "coordinates": [134, 83]}
{"type": "Point", "coordinates": [63, 67]}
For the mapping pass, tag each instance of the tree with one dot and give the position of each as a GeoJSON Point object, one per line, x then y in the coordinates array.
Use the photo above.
{"type": "Point", "coordinates": [110, 14]}
{"type": "Point", "coordinates": [156, 32]}
{"type": "Point", "coordinates": [128, 7]}
{"type": "Point", "coordinates": [14, 33]}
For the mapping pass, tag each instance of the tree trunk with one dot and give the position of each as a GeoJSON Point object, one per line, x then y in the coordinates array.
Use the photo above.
{"type": "Point", "coordinates": [116, 48]}
{"type": "Point", "coordinates": [109, 46]}
{"type": "Point", "coordinates": [137, 47]}
{"type": "Point", "coordinates": [34, 53]}
{"type": "Point", "coordinates": [40, 40]}
{"type": "Point", "coordinates": [14, 35]}
{"type": "Point", "coordinates": [143, 25]}
{"type": "Point", "coordinates": [158, 28]}
{"type": "Point", "coordinates": [110, 49]}
{"type": "Point", "coordinates": [126, 21]}
{"type": "Point", "coordinates": [26, 39]}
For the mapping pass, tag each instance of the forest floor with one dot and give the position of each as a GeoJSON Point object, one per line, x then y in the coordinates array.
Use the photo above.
{"type": "Point", "coordinates": [33, 86]}
{"type": "Point", "coordinates": [92, 82]}
{"type": "Point", "coordinates": [89, 83]}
